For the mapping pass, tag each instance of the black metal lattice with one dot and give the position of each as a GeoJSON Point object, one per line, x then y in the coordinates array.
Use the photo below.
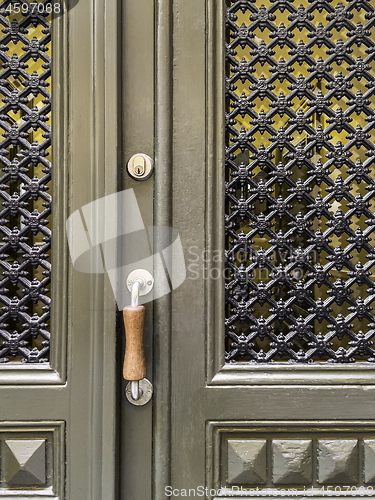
{"type": "Point", "coordinates": [300, 181]}
{"type": "Point", "coordinates": [26, 204]}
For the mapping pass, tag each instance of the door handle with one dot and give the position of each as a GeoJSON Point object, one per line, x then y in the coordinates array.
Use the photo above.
{"type": "Point", "coordinates": [139, 389]}
{"type": "Point", "coordinates": [134, 359]}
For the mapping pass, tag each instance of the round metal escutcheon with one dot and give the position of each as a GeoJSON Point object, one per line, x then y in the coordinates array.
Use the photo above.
{"type": "Point", "coordinates": [144, 277]}
{"type": "Point", "coordinates": [140, 167]}
{"type": "Point", "coordinates": [146, 388]}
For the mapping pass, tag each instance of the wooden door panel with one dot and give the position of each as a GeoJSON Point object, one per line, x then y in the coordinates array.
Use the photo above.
{"type": "Point", "coordinates": [57, 417]}
{"type": "Point", "coordinates": [279, 403]}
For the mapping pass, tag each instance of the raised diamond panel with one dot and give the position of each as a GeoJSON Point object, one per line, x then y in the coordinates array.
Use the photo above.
{"type": "Point", "coordinates": [24, 462]}
{"type": "Point", "coordinates": [247, 461]}
{"type": "Point", "coordinates": [32, 459]}
{"type": "Point", "coordinates": [338, 461]}
{"type": "Point", "coordinates": [306, 456]}
{"type": "Point", "coordinates": [369, 460]}
{"type": "Point", "coordinates": [292, 461]}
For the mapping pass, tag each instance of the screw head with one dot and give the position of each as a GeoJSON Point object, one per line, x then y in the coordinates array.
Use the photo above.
{"type": "Point", "coordinates": [149, 282]}
{"type": "Point", "coordinates": [129, 282]}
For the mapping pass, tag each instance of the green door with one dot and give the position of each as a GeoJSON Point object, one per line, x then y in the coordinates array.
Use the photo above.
{"type": "Point", "coordinates": [262, 359]}
{"type": "Point", "coordinates": [260, 121]}
{"type": "Point", "coordinates": [58, 337]}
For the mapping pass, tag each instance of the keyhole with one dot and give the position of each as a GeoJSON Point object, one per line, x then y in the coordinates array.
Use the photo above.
{"type": "Point", "coordinates": [139, 166]}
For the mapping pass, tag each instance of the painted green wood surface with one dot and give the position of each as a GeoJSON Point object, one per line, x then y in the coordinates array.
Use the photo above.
{"type": "Point", "coordinates": [163, 59]}
{"type": "Point", "coordinates": [78, 391]}
{"type": "Point", "coordinates": [201, 389]}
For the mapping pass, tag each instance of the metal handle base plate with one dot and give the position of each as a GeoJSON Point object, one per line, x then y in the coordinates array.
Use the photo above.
{"type": "Point", "coordinates": [146, 389]}
{"type": "Point", "coordinates": [146, 281]}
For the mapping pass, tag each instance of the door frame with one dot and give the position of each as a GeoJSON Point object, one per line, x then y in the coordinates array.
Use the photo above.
{"type": "Point", "coordinates": [90, 151]}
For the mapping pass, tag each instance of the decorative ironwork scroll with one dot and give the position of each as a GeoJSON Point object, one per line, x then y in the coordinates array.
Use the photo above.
{"type": "Point", "coordinates": [25, 115]}
{"type": "Point", "coordinates": [300, 181]}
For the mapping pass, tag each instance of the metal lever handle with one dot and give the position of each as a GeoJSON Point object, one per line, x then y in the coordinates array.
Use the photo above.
{"type": "Point", "coordinates": [139, 389]}
{"type": "Point", "coordinates": [134, 360]}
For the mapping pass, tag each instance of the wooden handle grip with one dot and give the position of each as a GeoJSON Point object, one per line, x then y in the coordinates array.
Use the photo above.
{"type": "Point", "coordinates": [134, 361]}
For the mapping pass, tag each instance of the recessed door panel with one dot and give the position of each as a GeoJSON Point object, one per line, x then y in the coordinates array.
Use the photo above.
{"type": "Point", "coordinates": [299, 190]}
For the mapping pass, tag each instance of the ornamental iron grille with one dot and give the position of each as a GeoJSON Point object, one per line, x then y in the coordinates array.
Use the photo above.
{"type": "Point", "coordinates": [26, 238]}
{"type": "Point", "coordinates": [300, 181]}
